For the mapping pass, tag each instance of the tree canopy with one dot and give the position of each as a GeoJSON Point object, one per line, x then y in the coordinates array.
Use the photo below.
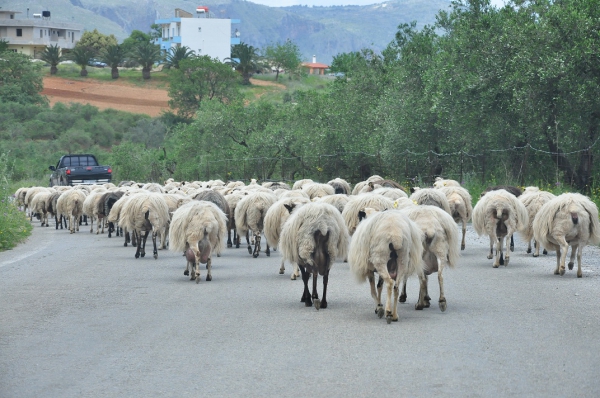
{"type": "Point", "coordinates": [96, 40]}
{"type": "Point", "coordinates": [283, 56]}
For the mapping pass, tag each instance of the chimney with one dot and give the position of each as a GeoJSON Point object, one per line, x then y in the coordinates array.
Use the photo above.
{"type": "Point", "coordinates": [314, 59]}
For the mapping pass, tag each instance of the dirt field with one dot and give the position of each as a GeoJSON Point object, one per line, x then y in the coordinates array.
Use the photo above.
{"type": "Point", "coordinates": [117, 94]}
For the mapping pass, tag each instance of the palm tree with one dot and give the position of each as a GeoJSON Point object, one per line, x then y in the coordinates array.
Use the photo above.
{"type": "Point", "coordinates": [146, 54]}
{"type": "Point", "coordinates": [177, 54]}
{"type": "Point", "coordinates": [246, 60]}
{"type": "Point", "coordinates": [81, 56]}
{"type": "Point", "coordinates": [52, 55]}
{"type": "Point", "coordinates": [113, 56]}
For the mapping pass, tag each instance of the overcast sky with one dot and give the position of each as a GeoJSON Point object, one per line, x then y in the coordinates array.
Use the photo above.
{"type": "Point", "coordinates": [285, 3]}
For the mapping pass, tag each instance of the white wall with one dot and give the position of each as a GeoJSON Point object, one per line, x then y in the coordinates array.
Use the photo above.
{"type": "Point", "coordinates": [213, 40]}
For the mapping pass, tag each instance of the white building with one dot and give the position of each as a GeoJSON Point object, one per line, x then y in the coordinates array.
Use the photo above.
{"type": "Point", "coordinates": [32, 34]}
{"type": "Point", "coordinates": [203, 34]}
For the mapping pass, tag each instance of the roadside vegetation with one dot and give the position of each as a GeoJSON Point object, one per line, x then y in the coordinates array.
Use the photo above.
{"type": "Point", "coordinates": [14, 226]}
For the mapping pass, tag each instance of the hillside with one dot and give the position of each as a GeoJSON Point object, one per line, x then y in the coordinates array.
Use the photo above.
{"type": "Point", "coordinates": [323, 31]}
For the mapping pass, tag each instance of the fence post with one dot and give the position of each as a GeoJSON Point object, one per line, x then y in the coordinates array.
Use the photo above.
{"type": "Point", "coordinates": [461, 166]}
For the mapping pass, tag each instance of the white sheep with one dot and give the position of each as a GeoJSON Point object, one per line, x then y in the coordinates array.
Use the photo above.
{"type": "Point", "coordinates": [275, 218]}
{"type": "Point", "coordinates": [391, 193]}
{"type": "Point", "coordinates": [313, 237]}
{"type": "Point", "coordinates": [461, 208]}
{"type": "Point", "coordinates": [153, 187]}
{"type": "Point", "coordinates": [441, 183]}
{"type": "Point", "coordinates": [198, 229]}
{"type": "Point", "coordinates": [354, 211]}
{"type": "Point", "coordinates": [39, 206]}
{"type": "Point", "coordinates": [316, 190]}
{"type": "Point", "coordinates": [145, 212]}
{"type": "Point", "coordinates": [70, 204]}
{"type": "Point", "coordinates": [499, 214]}
{"type": "Point", "coordinates": [90, 209]}
{"type": "Point", "coordinates": [232, 200]}
{"type": "Point", "coordinates": [431, 197]}
{"type": "Point", "coordinates": [338, 201]}
{"type": "Point", "coordinates": [28, 198]}
{"type": "Point", "coordinates": [570, 219]}
{"type": "Point", "coordinates": [340, 186]}
{"type": "Point", "coordinates": [388, 243]}
{"type": "Point", "coordinates": [300, 183]}
{"type": "Point", "coordinates": [250, 215]}
{"type": "Point", "coordinates": [296, 193]}
{"type": "Point", "coordinates": [440, 249]}
{"type": "Point", "coordinates": [114, 216]}
{"type": "Point", "coordinates": [533, 199]}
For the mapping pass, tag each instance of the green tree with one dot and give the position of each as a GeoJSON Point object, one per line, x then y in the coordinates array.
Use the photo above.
{"type": "Point", "coordinates": [20, 79]}
{"type": "Point", "coordinates": [200, 79]}
{"type": "Point", "coordinates": [3, 45]}
{"type": "Point", "coordinates": [113, 55]}
{"type": "Point", "coordinates": [96, 40]}
{"type": "Point", "coordinates": [176, 55]}
{"type": "Point", "coordinates": [283, 55]}
{"type": "Point", "coordinates": [136, 37]}
{"type": "Point", "coordinates": [82, 57]}
{"type": "Point", "coordinates": [146, 54]}
{"type": "Point", "coordinates": [53, 56]}
{"type": "Point", "coordinates": [246, 60]}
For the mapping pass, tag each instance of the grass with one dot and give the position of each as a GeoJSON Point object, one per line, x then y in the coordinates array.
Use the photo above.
{"type": "Point", "coordinates": [14, 225]}
{"type": "Point", "coordinates": [133, 76]}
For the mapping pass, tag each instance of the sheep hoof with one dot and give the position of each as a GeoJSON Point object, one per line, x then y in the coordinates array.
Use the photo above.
{"type": "Point", "coordinates": [501, 258]}
{"type": "Point", "coordinates": [137, 255]}
{"type": "Point", "coordinates": [506, 261]}
{"type": "Point", "coordinates": [529, 251]}
{"type": "Point", "coordinates": [208, 278]}
{"type": "Point", "coordinates": [237, 246]}
{"type": "Point", "coordinates": [317, 304]}
{"type": "Point", "coordinates": [249, 249]}
{"type": "Point", "coordinates": [427, 304]}
{"type": "Point", "coordinates": [197, 279]}
{"type": "Point", "coordinates": [308, 303]}
{"type": "Point", "coordinates": [442, 304]}
{"type": "Point", "coordinates": [489, 257]}
{"type": "Point", "coordinates": [293, 277]}
{"type": "Point", "coordinates": [512, 248]}
{"type": "Point", "coordinates": [281, 272]}
{"type": "Point", "coordinates": [155, 256]}
{"type": "Point", "coordinates": [462, 247]}
{"type": "Point", "coordinates": [579, 274]}
{"type": "Point", "coordinates": [562, 271]}
{"type": "Point", "coordinates": [545, 251]}
{"type": "Point", "coordinates": [143, 255]}
{"type": "Point", "coordinates": [556, 272]}
{"type": "Point", "coordinates": [186, 272]}
{"type": "Point", "coordinates": [229, 245]}
{"type": "Point", "coordinates": [496, 265]}
{"type": "Point", "coordinates": [255, 255]}
{"type": "Point", "coordinates": [571, 266]}
{"type": "Point", "coordinates": [268, 253]}
{"type": "Point", "coordinates": [388, 319]}
{"type": "Point", "coordinates": [379, 311]}
{"type": "Point", "coordinates": [418, 307]}
{"type": "Point", "coordinates": [323, 304]}
{"type": "Point", "coordinates": [535, 255]}
{"type": "Point", "coordinates": [402, 298]}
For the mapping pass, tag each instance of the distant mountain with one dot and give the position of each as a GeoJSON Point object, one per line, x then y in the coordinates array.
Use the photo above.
{"type": "Point", "coordinates": [322, 31]}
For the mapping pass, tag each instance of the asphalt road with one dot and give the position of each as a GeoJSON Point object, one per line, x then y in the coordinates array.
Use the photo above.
{"type": "Point", "coordinates": [80, 317]}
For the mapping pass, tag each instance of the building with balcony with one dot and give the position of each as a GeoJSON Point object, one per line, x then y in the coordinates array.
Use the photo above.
{"type": "Point", "coordinates": [203, 33]}
{"type": "Point", "coordinates": [31, 35]}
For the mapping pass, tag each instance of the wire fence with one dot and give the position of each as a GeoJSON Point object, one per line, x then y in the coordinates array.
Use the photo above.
{"type": "Point", "coordinates": [524, 164]}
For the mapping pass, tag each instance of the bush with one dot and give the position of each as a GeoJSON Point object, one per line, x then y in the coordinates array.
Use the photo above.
{"type": "Point", "coordinates": [14, 226]}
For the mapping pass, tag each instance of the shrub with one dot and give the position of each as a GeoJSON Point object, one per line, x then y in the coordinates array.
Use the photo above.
{"type": "Point", "coordinates": [14, 226]}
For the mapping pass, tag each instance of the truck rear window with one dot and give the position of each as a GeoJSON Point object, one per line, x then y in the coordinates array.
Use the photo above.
{"type": "Point", "coordinates": [82, 160]}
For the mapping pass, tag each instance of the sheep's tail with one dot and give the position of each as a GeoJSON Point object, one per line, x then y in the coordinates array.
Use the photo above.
{"type": "Point", "coordinates": [592, 210]}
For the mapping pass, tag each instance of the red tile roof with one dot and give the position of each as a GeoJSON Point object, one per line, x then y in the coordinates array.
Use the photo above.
{"type": "Point", "coordinates": [315, 65]}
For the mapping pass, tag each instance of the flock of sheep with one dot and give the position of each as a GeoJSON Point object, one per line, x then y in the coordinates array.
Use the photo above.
{"type": "Point", "coordinates": [376, 227]}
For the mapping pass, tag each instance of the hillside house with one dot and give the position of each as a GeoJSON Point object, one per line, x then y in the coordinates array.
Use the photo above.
{"type": "Point", "coordinates": [314, 67]}
{"type": "Point", "coordinates": [30, 35]}
{"type": "Point", "coordinates": [203, 33]}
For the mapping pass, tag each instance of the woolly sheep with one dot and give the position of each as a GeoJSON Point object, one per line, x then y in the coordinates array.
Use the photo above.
{"type": "Point", "coordinates": [70, 204]}
{"type": "Point", "coordinates": [315, 190]}
{"type": "Point", "coordinates": [338, 201]}
{"type": "Point", "coordinates": [275, 218]}
{"type": "Point", "coordinates": [340, 186]}
{"type": "Point", "coordinates": [533, 199]}
{"type": "Point", "coordinates": [38, 206]}
{"type": "Point", "coordinates": [275, 185]}
{"type": "Point", "coordinates": [570, 219]}
{"type": "Point", "coordinates": [461, 208]}
{"type": "Point", "coordinates": [391, 193]}
{"type": "Point", "coordinates": [432, 197]}
{"type": "Point", "coordinates": [440, 249]}
{"type": "Point", "coordinates": [90, 209]}
{"type": "Point", "coordinates": [105, 204]}
{"type": "Point", "coordinates": [300, 183]}
{"type": "Point", "coordinates": [442, 183]}
{"type": "Point", "coordinates": [499, 214]}
{"type": "Point", "coordinates": [297, 193]}
{"type": "Point", "coordinates": [249, 216]}
{"type": "Point", "coordinates": [509, 188]}
{"type": "Point", "coordinates": [353, 212]}
{"type": "Point", "coordinates": [388, 243]}
{"type": "Point", "coordinates": [313, 237]}
{"type": "Point", "coordinates": [198, 229]}
{"type": "Point", "coordinates": [114, 216]}
{"type": "Point", "coordinates": [233, 200]}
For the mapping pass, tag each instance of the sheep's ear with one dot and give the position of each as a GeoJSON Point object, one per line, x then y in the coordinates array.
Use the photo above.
{"type": "Point", "coordinates": [361, 215]}
{"type": "Point", "coordinates": [369, 211]}
{"type": "Point", "coordinates": [290, 208]}
{"type": "Point", "coordinates": [371, 185]}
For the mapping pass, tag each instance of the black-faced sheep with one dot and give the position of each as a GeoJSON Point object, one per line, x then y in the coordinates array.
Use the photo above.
{"type": "Point", "coordinates": [340, 186]}
{"type": "Point", "coordinates": [440, 249]}
{"type": "Point", "coordinates": [499, 214]}
{"type": "Point", "coordinates": [461, 208]}
{"type": "Point", "coordinates": [388, 243]}
{"type": "Point", "coordinates": [250, 216]}
{"type": "Point", "coordinates": [533, 199]}
{"type": "Point", "coordinates": [570, 219]}
{"type": "Point", "coordinates": [313, 237]}
{"type": "Point", "coordinates": [198, 229]}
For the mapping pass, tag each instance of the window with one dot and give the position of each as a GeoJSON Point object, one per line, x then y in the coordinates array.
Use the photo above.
{"type": "Point", "coordinates": [19, 32]}
{"type": "Point", "coordinates": [41, 33]}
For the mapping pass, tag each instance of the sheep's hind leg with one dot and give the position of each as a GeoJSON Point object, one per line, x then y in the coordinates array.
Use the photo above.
{"type": "Point", "coordinates": [499, 260]}
{"type": "Point", "coordinates": [579, 250]}
{"type": "Point", "coordinates": [256, 246]}
{"type": "Point", "coordinates": [464, 232]}
{"type": "Point", "coordinates": [388, 302]}
{"type": "Point", "coordinates": [208, 269]}
{"type": "Point", "coordinates": [229, 242]}
{"type": "Point", "coordinates": [395, 302]}
{"type": "Point", "coordinates": [573, 254]}
{"type": "Point", "coordinates": [306, 294]}
{"type": "Point", "coordinates": [442, 301]}
{"type": "Point", "coordinates": [403, 294]}
{"type": "Point", "coordinates": [143, 253]}
{"type": "Point", "coordinates": [422, 293]}
{"type": "Point", "coordinates": [325, 281]}
{"type": "Point", "coordinates": [529, 247]}
{"type": "Point", "coordinates": [268, 251]}
{"type": "Point", "coordinates": [378, 306]}
{"type": "Point", "coordinates": [315, 293]}
{"type": "Point", "coordinates": [564, 248]}
{"type": "Point", "coordinates": [491, 254]}
{"type": "Point", "coordinates": [557, 270]}
{"type": "Point", "coordinates": [155, 250]}
{"type": "Point", "coordinates": [295, 272]}
{"type": "Point", "coordinates": [282, 268]}
{"type": "Point", "coordinates": [138, 247]}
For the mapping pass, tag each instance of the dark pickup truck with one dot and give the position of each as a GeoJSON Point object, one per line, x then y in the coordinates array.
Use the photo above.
{"type": "Point", "coordinates": [79, 169]}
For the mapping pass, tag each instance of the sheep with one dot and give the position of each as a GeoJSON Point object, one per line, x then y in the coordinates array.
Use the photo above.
{"type": "Point", "coordinates": [51, 207]}
{"type": "Point", "coordinates": [153, 187]}
{"type": "Point", "coordinates": [354, 211]}
{"type": "Point", "coordinates": [198, 229]}
{"type": "Point", "coordinates": [442, 183]}
{"type": "Point", "coordinates": [90, 208]}
{"type": "Point", "coordinates": [300, 183]}
{"type": "Point", "coordinates": [461, 208]}
{"type": "Point", "coordinates": [235, 184]}
{"type": "Point", "coordinates": [28, 198]}
{"type": "Point", "coordinates": [315, 190]}
{"type": "Point", "coordinates": [145, 212]}
{"type": "Point", "coordinates": [533, 199]}
{"type": "Point", "coordinates": [388, 243]}
{"type": "Point", "coordinates": [375, 184]}
{"type": "Point", "coordinates": [297, 193]}
{"type": "Point", "coordinates": [105, 204]}
{"type": "Point", "coordinates": [340, 186]}
{"type": "Point", "coordinates": [509, 188]}
{"type": "Point", "coordinates": [20, 197]}
{"type": "Point", "coordinates": [432, 197]}
{"type": "Point", "coordinates": [70, 204]}
{"type": "Point", "coordinates": [216, 198]}
{"type": "Point", "coordinates": [392, 193]}
{"type": "Point", "coordinates": [249, 216]}
{"type": "Point", "coordinates": [570, 219]}
{"type": "Point", "coordinates": [499, 214]}
{"type": "Point", "coordinates": [313, 237]}
{"type": "Point", "coordinates": [275, 185]}
{"type": "Point", "coordinates": [233, 200]}
{"type": "Point", "coordinates": [358, 187]}
{"type": "Point", "coordinates": [275, 218]}
{"type": "Point", "coordinates": [39, 206]}
{"type": "Point", "coordinates": [440, 248]}
{"type": "Point", "coordinates": [114, 215]}
{"type": "Point", "coordinates": [338, 201]}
